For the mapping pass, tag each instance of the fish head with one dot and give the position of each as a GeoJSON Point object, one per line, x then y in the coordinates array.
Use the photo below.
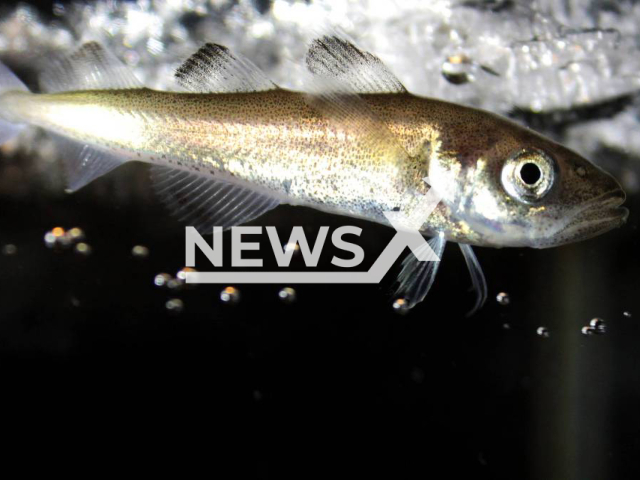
{"type": "Point", "coordinates": [518, 188]}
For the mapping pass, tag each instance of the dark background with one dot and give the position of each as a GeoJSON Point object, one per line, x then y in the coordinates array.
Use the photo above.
{"type": "Point", "coordinates": [95, 370]}
{"type": "Point", "coordinates": [336, 381]}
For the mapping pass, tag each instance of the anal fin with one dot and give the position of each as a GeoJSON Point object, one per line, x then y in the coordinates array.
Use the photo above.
{"type": "Point", "coordinates": [84, 163]}
{"type": "Point", "coordinates": [205, 202]}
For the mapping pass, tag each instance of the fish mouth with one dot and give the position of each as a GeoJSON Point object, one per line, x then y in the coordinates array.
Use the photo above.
{"type": "Point", "coordinates": [608, 209]}
{"type": "Point", "coordinates": [594, 218]}
{"type": "Point", "coordinates": [589, 219]}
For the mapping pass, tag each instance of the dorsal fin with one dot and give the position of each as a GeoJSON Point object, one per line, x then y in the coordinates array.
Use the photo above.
{"type": "Point", "coordinates": [349, 113]}
{"type": "Point", "coordinates": [204, 202]}
{"type": "Point", "coordinates": [91, 67]}
{"type": "Point", "coordinates": [213, 69]}
{"type": "Point", "coordinates": [334, 57]}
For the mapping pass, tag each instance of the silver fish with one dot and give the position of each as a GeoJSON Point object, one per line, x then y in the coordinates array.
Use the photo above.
{"type": "Point", "coordinates": [232, 145]}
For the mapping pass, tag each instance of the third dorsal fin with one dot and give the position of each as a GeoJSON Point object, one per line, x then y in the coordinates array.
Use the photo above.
{"type": "Point", "coordinates": [334, 57]}
{"type": "Point", "coordinates": [91, 67]}
{"type": "Point", "coordinates": [213, 69]}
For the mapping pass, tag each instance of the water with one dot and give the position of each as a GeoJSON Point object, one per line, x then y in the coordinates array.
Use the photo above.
{"type": "Point", "coordinates": [115, 341]}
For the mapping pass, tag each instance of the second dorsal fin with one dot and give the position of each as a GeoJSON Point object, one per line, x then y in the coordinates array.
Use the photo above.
{"type": "Point", "coordinates": [91, 67]}
{"type": "Point", "coordinates": [213, 69]}
{"type": "Point", "coordinates": [334, 57]}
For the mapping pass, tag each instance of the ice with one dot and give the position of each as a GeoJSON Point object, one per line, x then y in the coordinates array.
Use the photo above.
{"type": "Point", "coordinates": [505, 56]}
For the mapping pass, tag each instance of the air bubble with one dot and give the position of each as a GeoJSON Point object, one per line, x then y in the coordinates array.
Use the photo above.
{"type": "Point", "coordinates": [50, 239]}
{"type": "Point", "coordinates": [543, 332]}
{"type": "Point", "coordinates": [287, 295]}
{"type": "Point", "coordinates": [588, 331]}
{"type": "Point", "coordinates": [503, 298]}
{"type": "Point", "coordinates": [181, 278]}
{"type": "Point", "coordinates": [9, 249]}
{"type": "Point", "coordinates": [457, 69]}
{"type": "Point", "coordinates": [140, 251]}
{"type": "Point", "coordinates": [230, 295]}
{"type": "Point", "coordinates": [54, 238]}
{"type": "Point", "coordinates": [292, 246]}
{"type": "Point", "coordinates": [174, 305]}
{"type": "Point", "coordinates": [182, 273]}
{"type": "Point", "coordinates": [75, 234]}
{"type": "Point", "coordinates": [162, 279]}
{"type": "Point", "coordinates": [83, 249]}
{"type": "Point", "coordinates": [401, 306]}
{"type": "Point", "coordinates": [58, 237]}
{"type": "Point", "coordinates": [599, 325]}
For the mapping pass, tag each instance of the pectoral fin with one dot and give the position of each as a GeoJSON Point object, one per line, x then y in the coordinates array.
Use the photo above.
{"type": "Point", "coordinates": [417, 277]}
{"type": "Point", "coordinates": [478, 282]}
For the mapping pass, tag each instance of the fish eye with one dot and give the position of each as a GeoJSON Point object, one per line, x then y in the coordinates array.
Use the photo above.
{"type": "Point", "coordinates": [528, 175]}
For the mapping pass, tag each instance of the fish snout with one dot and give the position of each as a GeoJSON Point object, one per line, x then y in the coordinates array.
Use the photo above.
{"type": "Point", "coordinates": [600, 215]}
{"type": "Point", "coordinates": [611, 203]}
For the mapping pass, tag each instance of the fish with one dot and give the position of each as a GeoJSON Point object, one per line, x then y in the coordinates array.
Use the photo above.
{"type": "Point", "coordinates": [228, 145]}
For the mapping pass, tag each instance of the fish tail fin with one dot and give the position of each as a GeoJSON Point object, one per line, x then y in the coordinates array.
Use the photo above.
{"type": "Point", "coordinates": [9, 82]}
